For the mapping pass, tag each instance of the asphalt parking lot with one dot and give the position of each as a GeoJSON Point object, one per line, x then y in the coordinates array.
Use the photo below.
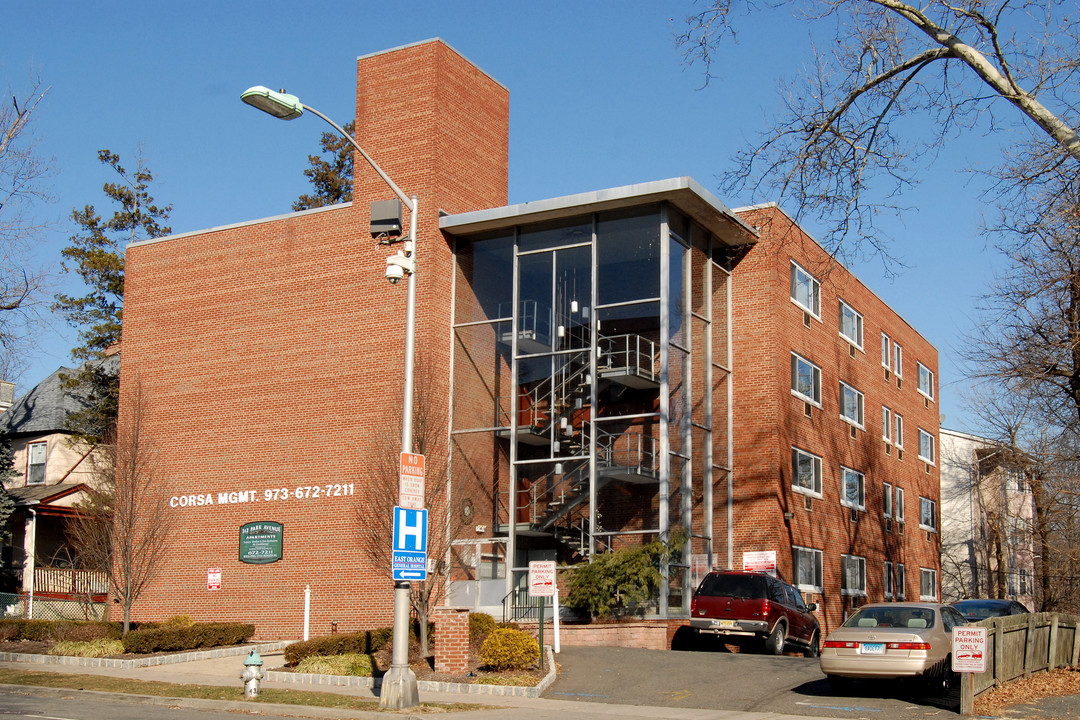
{"type": "Point", "coordinates": [722, 680]}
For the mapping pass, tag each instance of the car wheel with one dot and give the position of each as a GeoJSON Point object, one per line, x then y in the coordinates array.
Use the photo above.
{"type": "Point", "coordinates": [940, 679]}
{"type": "Point", "coordinates": [813, 650]}
{"type": "Point", "coordinates": [774, 644]}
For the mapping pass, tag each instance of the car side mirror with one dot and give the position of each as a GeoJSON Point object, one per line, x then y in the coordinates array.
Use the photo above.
{"type": "Point", "coordinates": [812, 607]}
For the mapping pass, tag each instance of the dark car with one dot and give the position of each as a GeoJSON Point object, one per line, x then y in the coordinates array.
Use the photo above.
{"type": "Point", "coordinates": [986, 608]}
{"type": "Point", "coordinates": [756, 607]}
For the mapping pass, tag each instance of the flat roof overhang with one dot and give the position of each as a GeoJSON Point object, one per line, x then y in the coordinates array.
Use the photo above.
{"type": "Point", "coordinates": [683, 192]}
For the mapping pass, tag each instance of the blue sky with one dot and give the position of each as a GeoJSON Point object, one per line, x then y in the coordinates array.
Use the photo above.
{"type": "Point", "coordinates": [599, 97]}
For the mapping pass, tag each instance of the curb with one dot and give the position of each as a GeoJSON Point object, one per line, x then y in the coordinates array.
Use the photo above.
{"type": "Point", "coordinates": [424, 685]}
{"type": "Point", "coordinates": [287, 678]}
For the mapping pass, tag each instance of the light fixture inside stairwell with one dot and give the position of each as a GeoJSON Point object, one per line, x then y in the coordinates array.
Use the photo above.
{"type": "Point", "coordinates": [573, 306]}
{"type": "Point", "coordinates": [558, 469]}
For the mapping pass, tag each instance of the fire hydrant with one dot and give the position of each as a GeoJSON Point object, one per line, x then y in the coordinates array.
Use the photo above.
{"type": "Point", "coordinates": [252, 674]}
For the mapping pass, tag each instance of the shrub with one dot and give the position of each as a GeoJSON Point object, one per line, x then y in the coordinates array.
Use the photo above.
{"type": "Point", "coordinates": [57, 630]}
{"type": "Point", "coordinates": [199, 635]}
{"type": "Point", "coordinates": [345, 664]}
{"type": "Point", "coordinates": [480, 626]}
{"type": "Point", "coordinates": [508, 649]}
{"type": "Point", "coordinates": [91, 649]}
{"type": "Point", "coordinates": [179, 621]}
{"type": "Point", "coordinates": [620, 583]}
{"type": "Point", "coordinates": [369, 641]}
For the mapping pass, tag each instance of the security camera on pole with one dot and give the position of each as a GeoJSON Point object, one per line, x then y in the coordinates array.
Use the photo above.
{"type": "Point", "coordinates": [399, 688]}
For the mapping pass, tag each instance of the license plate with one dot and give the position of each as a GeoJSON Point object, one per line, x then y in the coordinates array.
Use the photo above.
{"type": "Point", "coordinates": [872, 649]}
{"type": "Point", "coordinates": [724, 623]}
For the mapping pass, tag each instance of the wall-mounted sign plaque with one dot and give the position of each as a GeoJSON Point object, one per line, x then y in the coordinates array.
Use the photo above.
{"type": "Point", "coordinates": [260, 542]}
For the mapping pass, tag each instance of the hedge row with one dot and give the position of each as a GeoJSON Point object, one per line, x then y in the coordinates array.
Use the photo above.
{"type": "Point", "coordinates": [58, 630]}
{"type": "Point", "coordinates": [366, 642]}
{"type": "Point", "coordinates": [165, 638]}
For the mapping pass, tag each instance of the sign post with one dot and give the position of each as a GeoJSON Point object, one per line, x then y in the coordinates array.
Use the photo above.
{"type": "Point", "coordinates": [542, 585]}
{"type": "Point", "coordinates": [968, 657]}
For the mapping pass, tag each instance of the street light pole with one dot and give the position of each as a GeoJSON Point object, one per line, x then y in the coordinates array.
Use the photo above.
{"type": "Point", "coordinates": [399, 688]}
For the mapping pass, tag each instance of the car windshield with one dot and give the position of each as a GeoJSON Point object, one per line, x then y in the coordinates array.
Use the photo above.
{"type": "Point", "coordinates": [979, 610]}
{"type": "Point", "coordinates": [912, 618]}
{"type": "Point", "coordinates": [737, 586]}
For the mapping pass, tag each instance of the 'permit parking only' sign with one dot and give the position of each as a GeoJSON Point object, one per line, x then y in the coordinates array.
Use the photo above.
{"type": "Point", "coordinates": [969, 649]}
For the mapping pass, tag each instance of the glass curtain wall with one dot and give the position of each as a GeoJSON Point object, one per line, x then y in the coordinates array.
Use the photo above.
{"type": "Point", "coordinates": [584, 384]}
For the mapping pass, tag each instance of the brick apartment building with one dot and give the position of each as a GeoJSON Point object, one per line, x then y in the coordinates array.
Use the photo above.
{"type": "Point", "coordinates": [603, 369]}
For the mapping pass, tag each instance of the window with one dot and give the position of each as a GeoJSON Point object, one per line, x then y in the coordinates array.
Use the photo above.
{"type": "Point", "coordinates": [853, 575]}
{"type": "Point", "coordinates": [886, 352]}
{"type": "Point", "coordinates": [1018, 482]}
{"type": "Point", "coordinates": [1025, 581]}
{"type": "Point", "coordinates": [899, 505]}
{"type": "Point", "coordinates": [926, 381]}
{"type": "Point", "coordinates": [898, 360]}
{"type": "Point", "coordinates": [927, 514]}
{"type": "Point", "coordinates": [901, 582]}
{"type": "Point", "coordinates": [890, 588]}
{"type": "Point", "coordinates": [807, 568]}
{"type": "Point", "coordinates": [886, 424]}
{"type": "Point", "coordinates": [35, 463]}
{"type": "Point", "coordinates": [854, 489]}
{"type": "Point", "coordinates": [805, 290]}
{"type": "Point", "coordinates": [851, 325]}
{"type": "Point", "coordinates": [805, 472]}
{"type": "Point", "coordinates": [926, 446]}
{"type": "Point", "coordinates": [851, 404]}
{"type": "Point", "coordinates": [805, 379]}
{"type": "Point", "coordinates": [887, 499]}
{"type": "Point", "coordinates": [898, 436]}
{"type": "Point", "coordinates": [927, 584]}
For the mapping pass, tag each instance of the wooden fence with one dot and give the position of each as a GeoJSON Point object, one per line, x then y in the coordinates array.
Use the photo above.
{"type": "Point", "coordinates": [1020, 645]}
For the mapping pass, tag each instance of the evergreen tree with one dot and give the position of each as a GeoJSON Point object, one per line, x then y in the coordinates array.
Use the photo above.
{"type": "Point", "coordinates": [96, 253]}
{"type": "Point", "coordinates": [332, 177]}
{"type": "Point", "coordinates": [7, 473]}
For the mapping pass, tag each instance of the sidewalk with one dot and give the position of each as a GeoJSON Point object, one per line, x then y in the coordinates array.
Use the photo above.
{"type": "Point", "coordinates": [225, 672]}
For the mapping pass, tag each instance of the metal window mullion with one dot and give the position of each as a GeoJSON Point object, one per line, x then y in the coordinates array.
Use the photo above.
{"type": "Point", "coordinates": [665, 400]}
{"type": "Point", "coordinates": [511, 502]}
{"type": "Point", "coordinates": [594, 344]}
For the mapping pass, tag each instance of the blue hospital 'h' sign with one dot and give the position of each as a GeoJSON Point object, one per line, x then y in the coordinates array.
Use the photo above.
{"type": "Point", "coordinates": [410, 529]}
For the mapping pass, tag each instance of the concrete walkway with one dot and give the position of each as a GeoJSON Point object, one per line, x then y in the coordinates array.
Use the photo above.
{"type": "Point", "coordinates": [225, 671]}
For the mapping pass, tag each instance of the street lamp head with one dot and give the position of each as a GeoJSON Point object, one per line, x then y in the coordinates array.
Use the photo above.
{"type": "Point", "coordinates": [277, 103]}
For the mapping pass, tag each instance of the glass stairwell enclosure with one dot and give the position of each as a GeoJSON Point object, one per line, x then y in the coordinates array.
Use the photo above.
{"type": "Point", "coordinates": [584, 395]}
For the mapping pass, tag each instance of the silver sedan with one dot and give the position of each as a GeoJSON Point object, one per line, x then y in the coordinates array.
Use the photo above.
{"type": "Point", "coordinates": [893, 640]}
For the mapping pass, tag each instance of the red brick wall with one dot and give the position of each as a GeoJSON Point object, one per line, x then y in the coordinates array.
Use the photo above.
{"type": "Point", "coordinates": [451, 640]}
{"type": "Point", "coordinates": [769, 420]}
{"type": "Point", "coordinates": [270, 357]}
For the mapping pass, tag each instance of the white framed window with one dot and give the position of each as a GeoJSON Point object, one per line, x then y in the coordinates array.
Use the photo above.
{"type": "Point", "coordinates": [927, 584]}
{"type": "Point", "coordinates": [886, 424]}
{"type": "Point", "coordinates": [926, 381]}
{"type": "Point", "coordinates": [927, 446]}
{"type": "Point", "coordinates": [805, 290]}
{"type": "Point", "coordinates": [886, 352]}
{"type": "Point", "coordinates": [36, 453]}
{"type": "Point", "coordinates": [898, 434]}
{"type": "Point", "coordinates": [851, 404]}
{"type": "Point", "coordinates": [898, 360]}
{"type": "Point", "coordinates": [808, 572]}
{"type": "Point", "coordinates": [899, 509]}
{"type": "Point", "coordinates": [887, 499]}
{"type": "Point", "coordinates": [901, 582]}
{"type": "Point", "coordinates": [851, 325]}
{"type": "Point", "coordinates": [853, 493]}
{"type": "Point", "coordinates": [927, 514]}
{"type": "Point", "coordinates": [805, 472]}
{"type": "Point", "coordinates": [890, 585]}
{"type": "Point", "coordinates": [852, 575]}
{"type": "Point", "coordinates": [805, 379]}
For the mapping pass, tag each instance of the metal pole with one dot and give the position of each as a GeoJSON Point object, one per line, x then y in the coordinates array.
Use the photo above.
{"type": "Point", "coordinates": [399, 689]}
